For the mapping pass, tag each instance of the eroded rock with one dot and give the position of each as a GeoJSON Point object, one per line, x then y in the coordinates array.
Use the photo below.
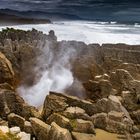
{"type": "Point", "coordinates": [40, 128]}
{"type": "Point", "coordinates": [58, 133]}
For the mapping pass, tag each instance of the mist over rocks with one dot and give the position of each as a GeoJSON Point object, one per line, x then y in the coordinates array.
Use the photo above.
{"type": "Point", "coordinates": [80, 88]}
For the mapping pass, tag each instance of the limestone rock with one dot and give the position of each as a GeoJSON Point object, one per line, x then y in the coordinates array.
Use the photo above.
{"type": "Point", "coordinates": [4, 129]}
{"type": "Point", "coordinates": [102, 77]}
{"type": "Point", "coordinates": [3, 122]}
{"type": "Point", "coordinates": [115, 127]}
{"type": "Point", "coordinates": [10, 102]}
{"type": "Point", "coordinates": [116, 116]}
{"type": "Point", "coordinates": [6, 86]}
{"type": "Point", "coordinates": [129, 100]}
{"type": "Point", "coordinates": [136, 116]}
{"type": "Point", "coordinates": [40, 128]}
{"type": "Point", "coordinates": [75, 112]}
{"type": "Point", "coordinates": [6, 70]}
{"type": "Point", "coordinates": [108, 104]}
{"type": "Point", "coordinates": [134, 86]}
{"type": "Point", "coordinates": [98, 89]}
{"type": "Point", "coordinates": [53, 103]}
{"type": "Point", "coordinates": [110, 63]}
{"type": "Point", "coordinates": [137, 136]}
{"type": "Point", "coordinates": [28, 127]}
{"type": "Point", "coordinates": [14, 130]}
{"type": "Point", "coordinates": [82, 126]}
{"type": "Point", "coordinates": [30, 111]}
{"type": "Point", "coordinates": [74, 101]}
{"type": "Point", "coordinates": [16, 120]}
{"type": "Point", "coordinates": [133, 69]}
{"type": "Point", "coordinates": [60, 120]}
{"type": "Point", "coordinates": [100, 120]}
{"type": "Point", "coordinates": [24, 136]}
{"type": "Point", "coordinates": [135, 129]}
{"type": "Point", "coordinates": [121, 79]}
{"type": "Point", "coordinates": [58, 133]}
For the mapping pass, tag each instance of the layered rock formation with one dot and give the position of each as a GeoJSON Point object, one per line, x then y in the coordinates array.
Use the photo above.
{"type": "Point", "coordinates": [108, 75]}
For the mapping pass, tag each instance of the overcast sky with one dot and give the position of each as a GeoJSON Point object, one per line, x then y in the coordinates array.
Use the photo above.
{"type": "Point", "coordinates": [90, 9]}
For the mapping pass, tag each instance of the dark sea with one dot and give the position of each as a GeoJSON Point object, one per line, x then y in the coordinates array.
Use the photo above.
{"type": "Point", "coordinates": [125, 11]}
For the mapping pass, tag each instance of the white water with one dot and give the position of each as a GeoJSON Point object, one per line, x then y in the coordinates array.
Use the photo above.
{"type": "Point", "coordinates": [53, 73]}
{"type": "Point", "coordinates": [90, 32]}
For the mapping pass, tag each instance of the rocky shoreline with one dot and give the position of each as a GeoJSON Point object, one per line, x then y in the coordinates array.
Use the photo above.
{"type": "Point", "coordinates": [109, 75]}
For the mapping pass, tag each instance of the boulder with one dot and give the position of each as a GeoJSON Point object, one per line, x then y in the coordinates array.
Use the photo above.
{"type": "Point", "coordinates": [53, 103]}
{"type": "Point", "coordinates": [77, 125]}
{"type": "Point", "coordinates": [75, 112]}
{"type": "Point", "coordinates": [137, 136]}
{"type": "Point", "coordinates": [120, 79]}
{"type": "Point", "coordinates": [10, 102]}
{"type": "Point", "coordinates": [108, 104]}
{"type": "Point", "coordinates": [114, 104]}
{"type": "Point", "coordinates": [98, 89]}
{"type": "Point", "coordinates": [4, 129]}
{"type": "Point", "coordinates": [40, 128]}
{"type": "Point", "coordinates": [16, 120]}
{"type": "Point", "coordinates": [100, 120]}
{"type": "Point", "coordinates": [82, 126]}
{"type": "Point", "coordinates": [28, 127]}
{"type": "Point", "coordinates": [116, 116]}
{"type": "Point", "coordinates": [24, 136]}
{"type": "Point", "coordinates": [115, 127]}
{"type": "Point", "coordinates": [129, 100]}
{"type": "Point", "coordinates": [60, 120]}
{"type": "Point", "coordinates": [58, 133]}
{"type": "Point", "coordinates": [3, 122]}
{"type": "Point", "coordinates": [14, 130]}
{"type": "Point", "coordinates": [136, 116]}
{"type": "Point", "coordinates": [30, 111]}
{"type": "Point", "coordinates": [83, 136]}
{"type": "Point", "coordinates": [134, 87]}
{"type": "Point", "coordinates": [135, 129]}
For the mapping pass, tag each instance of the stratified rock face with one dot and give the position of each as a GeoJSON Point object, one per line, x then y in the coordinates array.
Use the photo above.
{"type": "Point", "coordinates": [107, 78]}
{"type": "Point", "coordinates": [10, 102]}
{"type": "Point", "coordinates": [98, 89]}
{"type": "Point", "coordinates": [107, 114]}
{"type": "Point", "coordinates": [6, 71]}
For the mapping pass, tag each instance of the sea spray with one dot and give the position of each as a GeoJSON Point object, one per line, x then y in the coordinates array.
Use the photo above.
{"type": "Point", "coordinates": [52, 73]}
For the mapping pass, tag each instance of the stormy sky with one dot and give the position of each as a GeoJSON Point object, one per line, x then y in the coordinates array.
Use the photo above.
{"type": "Point", "coordinates": [86, 9]}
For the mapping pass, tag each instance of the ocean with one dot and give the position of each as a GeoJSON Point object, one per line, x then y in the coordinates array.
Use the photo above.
{"type": "Point", "coordinates": [89, 31]}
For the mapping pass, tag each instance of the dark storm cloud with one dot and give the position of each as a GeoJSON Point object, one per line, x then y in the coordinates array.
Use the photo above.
{"type": "Point", "coordinates": [86, 9]}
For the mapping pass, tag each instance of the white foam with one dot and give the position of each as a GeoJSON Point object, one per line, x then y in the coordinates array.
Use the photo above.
{"type": "Point", "coordinates": [90, 32]}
